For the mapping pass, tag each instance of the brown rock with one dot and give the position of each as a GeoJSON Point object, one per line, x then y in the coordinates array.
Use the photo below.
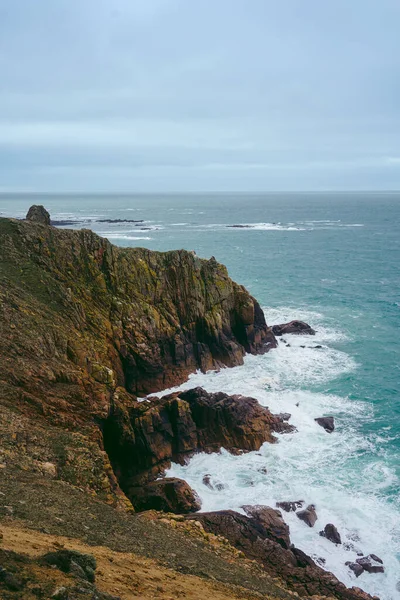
{"type": "Point", "coordinates": [296, 327]}
{"type": "Point", "coordinates": [169, 495]}
{"type": "Point", "coordinates": [290, 506]}
{"type": "Point", "coordinates": [143, 439]}
{"type": "Point", "coordinates": [271, 520]}
{"type": "Point", "coordinates": [309, 516]}
{"type": "Point", "coordinates": [263, 538]}
{"type": "Point", "coordinates": [331, 533]}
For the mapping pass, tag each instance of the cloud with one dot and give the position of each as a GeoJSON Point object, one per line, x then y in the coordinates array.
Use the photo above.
{"type": "Point", "coordinates": [164, 94]}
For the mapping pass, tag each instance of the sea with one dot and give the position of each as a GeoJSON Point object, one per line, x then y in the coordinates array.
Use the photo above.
{"type": "Point", "coordinates": [332, 260]}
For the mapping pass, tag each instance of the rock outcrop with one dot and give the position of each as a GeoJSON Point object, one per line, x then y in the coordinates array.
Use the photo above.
{"type": "Point", "coordinates": [170, 495]}
{"type": "Point", "coordinates": [264, 537]}
{"type": "Point", "coordinates": [86, 326]}
{"type": "Point", "coordinates": [38, 214]}
{"type": "Point", "coordinates": [296, 327]}
{"type": "Point", "coordinates": [143, 438]}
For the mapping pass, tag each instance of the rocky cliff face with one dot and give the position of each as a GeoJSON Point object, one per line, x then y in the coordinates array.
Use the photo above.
{"type": "Point", "coordinates": [85, 325]}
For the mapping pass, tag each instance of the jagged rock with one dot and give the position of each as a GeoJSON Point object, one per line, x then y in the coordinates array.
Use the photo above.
{"type": "Point", "coordinates": [290, 506]}
{"type": "Point", "coordinates": [296, 327]}
{"type": "Point", "coordinates": [38, 214]}
{"type": "Point", "coordinates": [72, 561]}
{"type": "Point", "coordinates": [376, 558]}
{"type": "Point", "coordinates": [272, 521]}
{"type": "Point", "coordinates": [284, 416]}
{"type": "Point", "coordinates": [143, 439]}
{"type": "Point", "coordinates": [170, 495]}
{"type": "Point", "coordinates": [309, 516]}
{"type": "Point", "coordinates": [331, 533]}
{"type": "Point", "coordinates": [355, 567]}
{"type": "Point", "coordinates": [264, 544]}
{"type": "Point", "coordinates": [369, 564]}
{"type": "Point", "coordinates": [328, 423]}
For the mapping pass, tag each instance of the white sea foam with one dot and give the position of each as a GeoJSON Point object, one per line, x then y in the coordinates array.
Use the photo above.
{"type": "Point", "coordinates": [344, 474]}
{"type": "Point", "coordinates": [119, 236]}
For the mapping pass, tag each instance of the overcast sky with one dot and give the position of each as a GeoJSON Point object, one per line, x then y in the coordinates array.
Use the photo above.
{"type": "Point", "coordinates": [179, 95]}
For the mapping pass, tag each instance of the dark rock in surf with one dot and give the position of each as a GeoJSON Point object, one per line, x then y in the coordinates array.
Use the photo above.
{"type": "Point", "coordinates": [369, 564]}
{"type": "Point", "coordinates": [290, 506]}
{"type": "Point", "coordinates": [356, 568]}
{"type": "Point", "coordinates": [217, 485]}
{"type": "Point", "coordinates": [328, 423]}
{"type": "Point", "coordinates": [283, 416]}
{"type": "Point", "coordinates": [38, 214]}
{"type": "Point", "coordinates": [309, 516]}
{"type": "Point", "coordinates": [331, 533]}
{"type": "Point", "coordinates": [169, 495]}
{"type": "Point", "coordinates": [294, 327]}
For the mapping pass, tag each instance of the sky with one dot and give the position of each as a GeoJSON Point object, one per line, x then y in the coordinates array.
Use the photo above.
{"type": "Point", "coordinates": [199, 95]}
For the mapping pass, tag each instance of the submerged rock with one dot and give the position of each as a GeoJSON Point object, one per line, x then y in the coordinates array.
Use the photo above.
{"type": "Point", "coordinates": [328, 423]}
{"type": "Point", "coordinates": [169, 495]}
{"type": "Point", "coordinates": [290, 506]}
{"type": "Point", "coordinates": [331, 533]}
{"type": "Point", "coordinates": [309, 515]}
{"type": "Point", "coordinates": [296, 327]}
{"type": "Point", "coordinates": [38, 214]}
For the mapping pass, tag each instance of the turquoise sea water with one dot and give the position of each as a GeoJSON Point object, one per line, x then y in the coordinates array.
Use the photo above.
{"type": "Point", "coordinates": [331, 259]}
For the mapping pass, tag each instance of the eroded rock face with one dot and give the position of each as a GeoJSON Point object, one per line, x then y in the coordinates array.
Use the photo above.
{"type": "Point", "coordinates": [38, 214]}
{"type": "Point", "coordinates": [169, 495]}
{"type": "Point", "coordinates": [143, 439]}
{"type": "Point", "coordinates": [296, 327]}
{"type": "Point", "coordinates": [263, 537]}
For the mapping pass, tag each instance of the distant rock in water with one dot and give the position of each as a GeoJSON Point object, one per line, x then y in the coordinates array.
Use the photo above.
{"type": "Point", "coordinates": [328, 423]}
{"type": "Point", "coordinates": [296, 327]}
{"type": "Point", "coordinates": [38, 214]}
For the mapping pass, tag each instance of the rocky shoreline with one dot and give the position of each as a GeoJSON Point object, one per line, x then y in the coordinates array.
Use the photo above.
{"type": "Point", "coordinates": [86, 328]}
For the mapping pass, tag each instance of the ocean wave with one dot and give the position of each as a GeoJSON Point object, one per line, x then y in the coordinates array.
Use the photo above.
{"type": "Point", "coordinates": [345, 474]}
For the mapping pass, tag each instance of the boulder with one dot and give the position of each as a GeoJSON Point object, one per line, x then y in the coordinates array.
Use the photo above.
{"type": "Point", "coordinates": [71, 561]}
{"type": "Point", "coordinates": [355, 567]}
{"type": "Point", "coordinates": [296, 327]}
{"type": "Point", "coordinates": [38, 214]}
{"type": "Point", "coordinates": [169, 494]}
{"type": "Point", "coordinates": [272, 522]}
{"type": "Point", "coordinates": [309, 516]}
{"type": "Point", "coordinates": [370, 565]}
{"type": "Point", "coordinates": [328, 423]}
{"type": "Point", "coordinates": [290, 506]}
{"type": "Point", "coordinates": [331, 533]}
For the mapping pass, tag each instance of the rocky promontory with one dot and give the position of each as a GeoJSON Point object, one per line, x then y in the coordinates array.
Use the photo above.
{"type": "Point", "coordinates": [87, 331]}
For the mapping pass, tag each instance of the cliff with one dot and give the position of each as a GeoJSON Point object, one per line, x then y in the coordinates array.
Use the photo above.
{"type": "Point", "coordinates": [85, 328]}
